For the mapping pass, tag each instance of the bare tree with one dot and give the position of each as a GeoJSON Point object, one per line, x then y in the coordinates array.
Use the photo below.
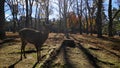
{"type": "Point", "coordinates": [60, 23]}
{"type": "Point", "coordinates": [2, 19]}
{"type": "Point", "coordinates": [79, 13]}
{"type": "Point", "coordinates": [86, 19]}
{"type": "Point", "coordinates": [64, 8]}
{"type": "Point", "coordinates": [36, 15]}
{"type": "Point", "coordinates": [91, 12]}
{"type": "Point", "coordinates": [111, 18]}
{"type": "Point", "coordinates": [99, 19]}
{"type": "Point", "coordinates": [27, 14]}
{"type": "Point", "coordinates": [44, 6]}
{"type": "Point", "coordinates": [30, 12]}
{"type": "Point", "coordinates": [47, 11]}
{"type": "Point", "coordinates": [13, 5]}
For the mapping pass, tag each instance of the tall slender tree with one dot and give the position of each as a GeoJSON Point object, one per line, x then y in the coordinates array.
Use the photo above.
{"type": "Point", "coordinates": [79, 13]}
{"type": "Point", "coordinates": [65, 17]}
{"type": "Point", "coordinates": [111, 18]}
{"type": "Point", "coordinates": [13, 5]}
{"type": "Point", "coordinates": [2, 19]}
{"type": "Point", "coordinates": [110, 26]}
{"type": "Point", "coordinates": [99, 19]}
{"type": "Point", "coordinates": [30, 12]}
{"type": "Point", "coordinates": [47, 11]}
{"type": "Point", "coordinates": [27, 14]}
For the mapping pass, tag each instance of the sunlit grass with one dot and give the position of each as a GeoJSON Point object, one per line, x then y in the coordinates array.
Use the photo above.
{"type": "Point", "coordinates": [99, 48]}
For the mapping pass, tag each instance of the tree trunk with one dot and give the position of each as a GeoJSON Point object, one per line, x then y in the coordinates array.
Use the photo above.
{"type": "Point", "coordinates": [79, 17]}
{"type": "Point", "coordinates": [65, 20]}
{"type": "Point", "coordinates": [110, 26]}
{"type": "Point", "coordinates": [30, 15]}
{"type": "Point", "coordinates": [86, 17]}
{"type": "Point", "coordinates": [60, 22]}
{"type": "Point", "coordinates": [47, 13]}
{"type": "Point", "coordinates": [27, 15]}
{"type": "Point", "coordinates": [99, 19]}
{"type": "Point", "coordinates": [2, 19]}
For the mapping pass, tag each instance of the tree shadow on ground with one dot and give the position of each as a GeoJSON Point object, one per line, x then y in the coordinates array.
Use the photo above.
{"type": "Point", "coordinates": [68, 63]}
{"type": "Point", "coordinates": [104, 38]}
{"type": "Point", "coordinates": [115, 40]}
{"type": "Point", "coordinates": [13, 65]}
{"type": "Point", "coordinates": [91, 58]}
{"type": "Point", "coordinates": [27, 52]}
{"type": "Point", "coordinates": [35, 65]}
{"type": "Point", "coordinates": [48, 62]}
{"type": "Point", "coordinates": [7, 40]}
{"type": "Point", "coordinates": [113, 53]}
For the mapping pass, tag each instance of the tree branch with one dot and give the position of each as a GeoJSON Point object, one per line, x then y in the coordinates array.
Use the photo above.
{"type": "Point", "coordinates": [116, 14]}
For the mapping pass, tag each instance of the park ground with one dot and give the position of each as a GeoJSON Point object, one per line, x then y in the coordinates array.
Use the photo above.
{"type": "Point", "coordinates": [88, 52]}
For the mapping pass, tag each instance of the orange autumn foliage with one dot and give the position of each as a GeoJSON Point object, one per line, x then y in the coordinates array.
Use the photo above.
{"type": "Point", "coordinates": [72, 20]}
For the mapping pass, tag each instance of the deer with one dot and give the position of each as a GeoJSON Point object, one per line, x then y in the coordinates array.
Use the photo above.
{"type": "Point", "coordinates": [35, 37]}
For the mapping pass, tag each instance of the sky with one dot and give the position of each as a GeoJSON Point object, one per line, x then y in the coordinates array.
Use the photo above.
{"type": "Point", "coordinates": [55, 12]}
{"type": "Point", "coordinates": [8, 14]}
{"type": "Point", "coordinates": [114, 4]}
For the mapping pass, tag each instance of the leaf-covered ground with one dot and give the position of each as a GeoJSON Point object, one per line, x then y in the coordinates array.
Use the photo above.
{"type": "Point", "coordinates": [89, 52]}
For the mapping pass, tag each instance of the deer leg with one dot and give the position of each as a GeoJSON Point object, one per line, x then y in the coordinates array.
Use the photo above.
{"type": "Point", "coordinates": [21, 53]}
{"type": "Point", "coordinates": [23, 48]}
{"type": "Point", "coordinates": [38, 54]}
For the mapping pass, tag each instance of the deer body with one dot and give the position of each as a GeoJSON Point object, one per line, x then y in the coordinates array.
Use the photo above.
{"type": "Point", "coordinates": [33, 36]}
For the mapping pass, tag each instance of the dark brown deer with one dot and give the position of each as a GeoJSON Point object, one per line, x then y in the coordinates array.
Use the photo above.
{"type": "Point", "coordinates": [36, 37]}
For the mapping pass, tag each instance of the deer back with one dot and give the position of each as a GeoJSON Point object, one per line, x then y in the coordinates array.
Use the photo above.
{"type": "Point", "coordinates": [34, 36]}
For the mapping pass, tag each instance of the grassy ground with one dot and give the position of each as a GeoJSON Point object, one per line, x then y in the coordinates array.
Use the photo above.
{"type": "Point", "coordinates": [89, 52]}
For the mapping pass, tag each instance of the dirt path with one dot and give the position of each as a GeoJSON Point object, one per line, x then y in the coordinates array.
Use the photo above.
{"type": "Point", "coordinates": [55, 54]}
